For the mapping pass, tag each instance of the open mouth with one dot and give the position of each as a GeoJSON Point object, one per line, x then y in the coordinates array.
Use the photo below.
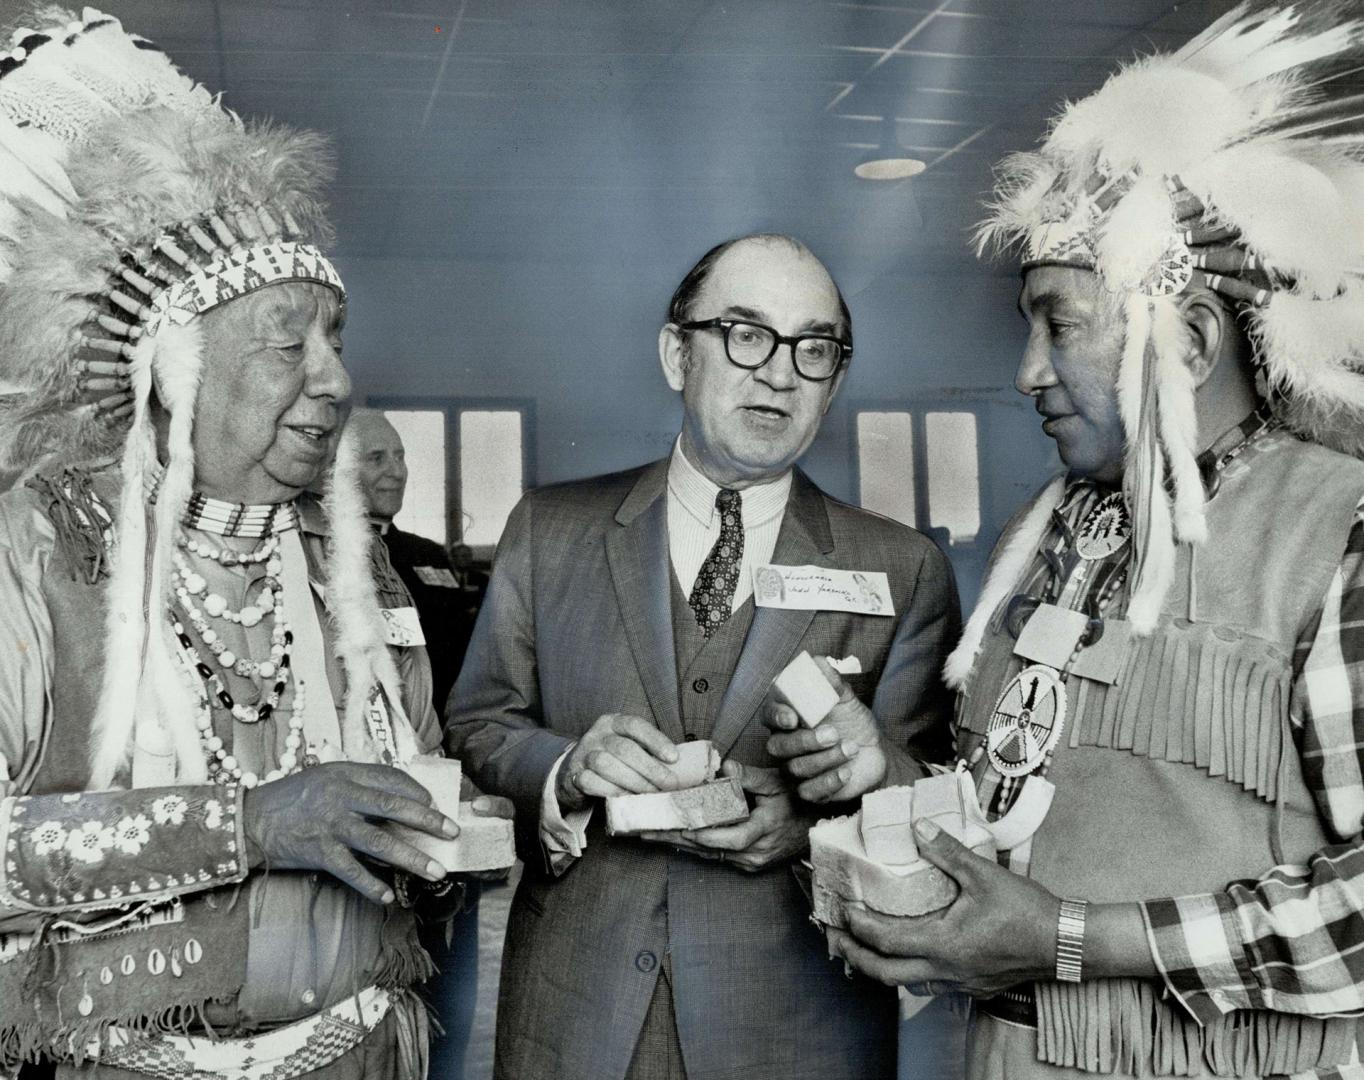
{"type": "Point", "coordinates": [766, 412]}
{"type": "Point", "coordinates": [316, 434]}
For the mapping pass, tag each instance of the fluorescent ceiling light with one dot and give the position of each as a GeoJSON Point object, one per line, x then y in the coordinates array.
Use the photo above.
{"type": "Point", "coordinates": [890, 169]}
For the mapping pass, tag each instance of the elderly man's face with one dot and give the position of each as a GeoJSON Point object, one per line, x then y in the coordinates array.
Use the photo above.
{"type": "Point", "coordinates": [273, 393]}
{"type": "Point", "coordinates": [383, 467]}
{"type": "Point", "coordinates": [1070, 366]}
{"type": "Point", "coordinates": [744, 426]}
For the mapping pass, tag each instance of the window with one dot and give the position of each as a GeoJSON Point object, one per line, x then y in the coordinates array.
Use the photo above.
{"type": "Point", "coordinates": [468, 462]}
{"type": "Point", "coordinates": [921, 467]}
{"type": "Point", "coordinates": [490, 472]}
{"type": "Point", "coordinates": [885, 463]}
{"type": "Point", "coordinates": [423, 434]}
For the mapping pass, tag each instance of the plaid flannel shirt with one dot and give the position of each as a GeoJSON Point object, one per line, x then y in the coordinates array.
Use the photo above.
{"type": "Point", "coordinates": [1293, 940]}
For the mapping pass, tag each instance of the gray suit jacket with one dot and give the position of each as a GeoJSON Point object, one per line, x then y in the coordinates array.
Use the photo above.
{"type": "Point", "coordinates": [578, 622]}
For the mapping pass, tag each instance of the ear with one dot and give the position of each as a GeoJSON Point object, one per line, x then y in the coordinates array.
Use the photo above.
{"type": "Point", "coordinates": [1205, 319]}
{"type": "Point", "coordinates": [672, 352]}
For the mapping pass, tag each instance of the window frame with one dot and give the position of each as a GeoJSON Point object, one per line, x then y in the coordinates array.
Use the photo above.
{"type": "Point", "coordinates": [978, 403]}
{"type": "Point", "coordinates": [452, 407]}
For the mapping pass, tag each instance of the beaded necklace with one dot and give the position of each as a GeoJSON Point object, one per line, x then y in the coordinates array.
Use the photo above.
{"type": "Point", "coordinates": [199, 606]}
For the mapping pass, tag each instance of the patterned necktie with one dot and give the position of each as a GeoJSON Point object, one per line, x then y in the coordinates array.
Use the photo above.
{"type": "Point", "coordinates": [713, 594]}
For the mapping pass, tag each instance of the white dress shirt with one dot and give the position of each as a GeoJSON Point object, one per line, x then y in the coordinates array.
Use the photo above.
{"type": "Point", "coordinates": [693, 528]}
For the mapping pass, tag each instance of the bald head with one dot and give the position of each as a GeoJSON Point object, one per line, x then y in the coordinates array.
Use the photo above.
{"type": "Point", "coordinates": [383, 471]}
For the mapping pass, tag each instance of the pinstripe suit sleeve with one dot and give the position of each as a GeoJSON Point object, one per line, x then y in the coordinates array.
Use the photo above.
{"type": "Point", "coordinates": [494, 719]}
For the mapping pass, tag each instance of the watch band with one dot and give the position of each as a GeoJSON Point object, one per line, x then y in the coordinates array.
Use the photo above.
{"type": "Point", "coordinates": [1070, 940]}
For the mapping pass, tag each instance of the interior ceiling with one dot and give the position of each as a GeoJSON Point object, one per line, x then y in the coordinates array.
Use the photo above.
{"type": "Point", "coordinates": [506, 130]}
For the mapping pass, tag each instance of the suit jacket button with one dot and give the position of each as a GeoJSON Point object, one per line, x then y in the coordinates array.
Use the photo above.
{"type": "Point", "coordinates": [646, 961]}
{"type": "Point", "coordinates": [700, 686]}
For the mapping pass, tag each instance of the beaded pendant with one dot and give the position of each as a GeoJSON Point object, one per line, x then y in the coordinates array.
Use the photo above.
{"type": "Point", "coordinates": [1106, 528]}
{"type": "Point", "coordinates": [1027, 720]}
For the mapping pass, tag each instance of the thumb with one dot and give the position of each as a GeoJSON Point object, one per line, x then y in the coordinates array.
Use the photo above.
{"type": "Point", "coordinates": [754, 778]}
{"type": "Point", "coordinates": [943, 849]}
{"type": "Point", "coordinates": [835, 679]}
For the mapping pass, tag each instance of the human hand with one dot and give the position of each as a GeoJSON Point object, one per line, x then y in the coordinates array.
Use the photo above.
{"type": "Point", "coordinates": [774, 830]}
{"type": "Point", "coordinates": [619, 755]}
{"type": "Point", "coordinates": [322, 817]}
{"type": "Point", "coordinates": [493, 806]}
{"type": "Point", "coordinates": [840, 758]}
{"type": "Point", "coordinates": [1000, 930]}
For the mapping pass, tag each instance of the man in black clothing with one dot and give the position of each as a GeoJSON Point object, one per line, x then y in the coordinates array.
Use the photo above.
{"type": "Point", "coordinates": [446, 614]}
{"type": "Point", "coordinates": [446, 608]}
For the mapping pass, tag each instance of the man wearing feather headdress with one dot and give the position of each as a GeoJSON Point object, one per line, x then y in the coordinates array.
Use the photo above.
{"type": "Point", "coordinates": [1161, 685]}
{"type": "Point", "coordinates": [199, 713]}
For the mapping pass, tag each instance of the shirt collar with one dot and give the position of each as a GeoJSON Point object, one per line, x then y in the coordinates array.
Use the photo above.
{"type": "Point", "coordinates": [695, 492]}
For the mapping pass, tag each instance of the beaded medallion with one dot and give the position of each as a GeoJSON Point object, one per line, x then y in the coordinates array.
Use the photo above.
{"type": "Point", "coordinates": [1027, 720]}
{"type": "Point", "coordinates": [1106, 528]}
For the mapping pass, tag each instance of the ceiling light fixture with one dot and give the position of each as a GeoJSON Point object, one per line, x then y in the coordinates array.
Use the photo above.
{"type": "Point", "coordinates": [900, 168]}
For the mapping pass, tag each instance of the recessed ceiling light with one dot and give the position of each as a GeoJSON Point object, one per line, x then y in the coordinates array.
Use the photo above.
{"type": "Point", "coordinates": [890, 168]}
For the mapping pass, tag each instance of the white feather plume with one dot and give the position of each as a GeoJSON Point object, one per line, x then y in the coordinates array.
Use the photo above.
{"type": "Point", "coordinates": [125, 613]}
{"type": "Point", "coordinates": [1245, 47]}
{"type": "Point", "coordinates": [135, 597]}
{"type": "Point", "coordinates": [1178, 420]}
{"type": "Point", "coordinates": [1154, 116]}
{"type": "Point", "coordinates": [351, 596]}
{"type": "Point", "coordinates": [1135, 236]}
{"type": "Point", "coordinates": [1015, 552]}
{"type": "Point", "coordinates": [1287, 210]}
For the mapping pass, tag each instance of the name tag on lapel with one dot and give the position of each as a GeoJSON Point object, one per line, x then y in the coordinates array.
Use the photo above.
{"type": "Point", "coordinates": [436, 576]}
{"type": "Point", "coordinates": [819, 588]}
{"type": "Point", "coordinates": [402, 626]}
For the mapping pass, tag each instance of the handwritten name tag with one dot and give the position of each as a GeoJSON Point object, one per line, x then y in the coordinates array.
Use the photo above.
{"type": "Point", "coordinates": [818, 588]}
{"type": "Point", "coordinates": [402, 627]}
{"type": "Point", "coordinates": [437, 576]}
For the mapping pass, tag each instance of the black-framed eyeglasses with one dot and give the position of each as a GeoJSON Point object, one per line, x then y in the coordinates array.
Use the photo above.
{"type": "Point", "coordinates": [817, 357]}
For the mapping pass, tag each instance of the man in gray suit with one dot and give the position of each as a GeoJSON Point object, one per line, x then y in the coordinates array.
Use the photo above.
{"type": "Point", "coordinates": [621, 621]}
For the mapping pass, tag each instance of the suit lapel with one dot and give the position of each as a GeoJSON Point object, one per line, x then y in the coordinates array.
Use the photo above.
{"type": "Point", "coordinates": [641, 571]}
{"type": "Point", "coordinates": [775, 636]}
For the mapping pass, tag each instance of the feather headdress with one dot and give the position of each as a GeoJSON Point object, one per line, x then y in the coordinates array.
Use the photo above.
{"type": "Point", "coordinates": [131, 203]}
{"type": "Point", "coordinates": [1225, 165]}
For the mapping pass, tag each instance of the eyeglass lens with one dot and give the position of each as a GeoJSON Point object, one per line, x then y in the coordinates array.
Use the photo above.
{"type": "Point", "coordinates": [751, 345]}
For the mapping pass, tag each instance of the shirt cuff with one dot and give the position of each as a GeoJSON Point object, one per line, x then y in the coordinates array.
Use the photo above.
{"type": "Point", "coordinates": [564, 836]}
{"type": "Point", "coordinates": [1196, 945]}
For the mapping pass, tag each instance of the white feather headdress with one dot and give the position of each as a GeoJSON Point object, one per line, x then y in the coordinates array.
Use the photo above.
{"type": "Point", "coordinates": [1225, 165]}
{"type": "Point", "coordinates": [131, 203]}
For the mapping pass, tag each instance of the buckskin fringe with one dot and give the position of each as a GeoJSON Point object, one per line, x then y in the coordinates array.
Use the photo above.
{"type": "Point", "coordinates": [1123, 1026]}
{"type": "Point", "coordinates": [1186, 695]}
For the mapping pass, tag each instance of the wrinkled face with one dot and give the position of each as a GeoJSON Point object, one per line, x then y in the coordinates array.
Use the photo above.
{"type": "Point", "coordinates": [383, 466]}
{"type": "Point", "coordinates": [273, 393]}
{"type": "Point", "coordinates": [740, 426]}
{"type": "Point", "coordinates": [1070, 366]}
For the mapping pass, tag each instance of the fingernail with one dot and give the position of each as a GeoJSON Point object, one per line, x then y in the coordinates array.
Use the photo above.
{"type": "Point", "coordinates": [826, 736]}
{"type": "Point", "coordinates": [387, 898]}
{"type": "Point", "coordinates": [434, 870]}
{"type": "Point", "coordinates": [844, 775]}
{"type": "Point", "coordinates": [849, 748]}
{"type": "Point", "coordinates": [482, 803]}
{"type": "Point", "coordinates": [450, 829]}
{"type": "Point", "coordinates": [926, 829]}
